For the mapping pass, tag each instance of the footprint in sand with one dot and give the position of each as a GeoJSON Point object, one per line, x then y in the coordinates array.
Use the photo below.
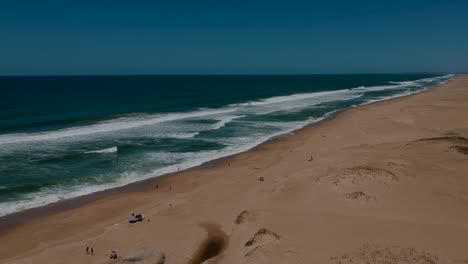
{"type": "Point", "coordinates": [262, 236]}
{"type": "Point", "coordinates": [242, 217]}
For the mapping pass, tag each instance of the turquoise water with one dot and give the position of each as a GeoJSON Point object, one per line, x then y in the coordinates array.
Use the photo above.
{"type": "Point", "coordinates": [62, 137]}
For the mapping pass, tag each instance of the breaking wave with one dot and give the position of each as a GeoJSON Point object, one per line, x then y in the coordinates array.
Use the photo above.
{"type": "Point", "coordinates": [103, 151]}
{"type": "Point", "coordinates": [149, 145]}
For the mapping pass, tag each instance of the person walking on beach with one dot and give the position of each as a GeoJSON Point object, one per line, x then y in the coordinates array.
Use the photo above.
{"type": "Point", "coordinates": [87, 250]}
{"type": "Point", "coordinates": [92, 251]}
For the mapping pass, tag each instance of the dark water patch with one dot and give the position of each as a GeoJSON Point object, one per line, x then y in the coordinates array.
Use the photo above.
{"type": "Point", "coordinates": [35, 126]}
{"type": "Point", "coordinates": [11, 193]}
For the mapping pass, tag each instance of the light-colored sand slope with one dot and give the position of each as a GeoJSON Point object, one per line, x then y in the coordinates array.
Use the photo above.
{"type": "Point", "coordinates": [384, 183]}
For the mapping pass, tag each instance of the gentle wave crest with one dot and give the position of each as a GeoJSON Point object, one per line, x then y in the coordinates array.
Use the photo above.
{"type": "Point", "coordinates": [289, 98]}
{"type": "Point", "coordinates": [103, 151]}
{"type": "Point", "coordinates": [224, 120]}
{"type": "Point", "coordinates": [105, 127]}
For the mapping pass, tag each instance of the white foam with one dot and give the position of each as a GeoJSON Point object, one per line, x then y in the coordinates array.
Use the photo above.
{"type": "Point", "coordinates": [188, 160]}
{"type": "Point", "coordinates": [224, 120]}
{"type": "Point", "coordinates": [403, 84]}
{"type": "Point", "coordinates": [289, 98]}
{"type": "Point", "coordinates": [300, 101]}
{"type": "Point", "coordinates": [183, 135]}
{"type": "Point", "coordinates": [47, 196]}
{"type": "Point", "coordinates": [263, 106]}
{"type": "Point", "coordinates": [108, 126]}
{"type": "Point", "coordinates": [441, 80]}
{"type": "Point", "coordinates": [428, 80]}
{"type": "Point", "coordinates": [103, 151]}
{"type": "Point", "coordinates": [377, 88]}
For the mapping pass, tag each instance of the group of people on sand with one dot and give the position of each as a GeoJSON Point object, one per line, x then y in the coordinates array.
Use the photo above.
{"type": "Point", "coordinates": [113, 255]}
{"type": "Point", "coordinates": [137, 216]}
{"type": "Point", "coordinates": [89, 250]}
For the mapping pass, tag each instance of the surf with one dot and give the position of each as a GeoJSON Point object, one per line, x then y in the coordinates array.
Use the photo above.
{"type": "Point", "coordinates": [119, 124]}
{"type": "Point", "coordinates": [131, 147]}
{"type": "Point", "coordinates": [103, 151]}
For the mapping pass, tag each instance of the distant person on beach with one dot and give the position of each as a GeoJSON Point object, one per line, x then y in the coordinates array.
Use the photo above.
{"type": "Point", "coordinates": [87, 250]}
{"type": "Point", "coordinates": [92, 251]}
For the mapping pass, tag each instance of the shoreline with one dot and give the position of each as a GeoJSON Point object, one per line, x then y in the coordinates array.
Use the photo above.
{"type": "Point", "coordinates": [387, 182]}
{"type": "Point", "coordinates": [15, 219]}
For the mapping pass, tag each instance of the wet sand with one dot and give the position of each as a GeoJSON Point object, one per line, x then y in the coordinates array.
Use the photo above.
{"type": "Point", "coordinates": [382, 182]}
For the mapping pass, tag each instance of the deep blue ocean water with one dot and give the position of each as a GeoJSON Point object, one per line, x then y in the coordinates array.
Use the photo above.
{"type": "Point", "coordinates": [66, 136]}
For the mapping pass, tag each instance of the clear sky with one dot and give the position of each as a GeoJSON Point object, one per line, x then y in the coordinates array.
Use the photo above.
{"type": "Point", "coordinates": [232, 37]}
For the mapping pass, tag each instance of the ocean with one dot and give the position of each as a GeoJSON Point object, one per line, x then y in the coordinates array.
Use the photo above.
{"type": "Point", "coordinates": [67, 136]}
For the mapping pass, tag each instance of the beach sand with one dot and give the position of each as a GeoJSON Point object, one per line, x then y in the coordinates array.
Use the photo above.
{"type": "Point", "coordinates": [382, 183]}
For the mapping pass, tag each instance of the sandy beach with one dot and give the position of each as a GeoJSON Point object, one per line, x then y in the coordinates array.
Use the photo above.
{"type": "Point", "coordinates": [381, 183]}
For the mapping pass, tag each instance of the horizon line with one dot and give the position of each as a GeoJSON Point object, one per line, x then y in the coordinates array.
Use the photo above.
{"type": "Point", "coordinates": [229, 74]}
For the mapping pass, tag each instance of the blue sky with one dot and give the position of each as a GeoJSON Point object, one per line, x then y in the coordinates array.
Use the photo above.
{"type": "Point", "coordinates": [232, 37]}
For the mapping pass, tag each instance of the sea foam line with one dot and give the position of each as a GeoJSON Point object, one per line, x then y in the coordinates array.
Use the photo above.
{"type": "Point", "coordinates": [53, 195]}
{"type": "Point", "coordinates": [134, 122]}
{"type": "Point", "coordinates": [289, 98]}
{"type": "Point", "coordinates": [67, 193]}
{"type": "Point", "coordinates": [104, 127]}
{"type": "Point", "coordinates": [103, 151]}
{"type": "Point", "coordinates": [223, 121]}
